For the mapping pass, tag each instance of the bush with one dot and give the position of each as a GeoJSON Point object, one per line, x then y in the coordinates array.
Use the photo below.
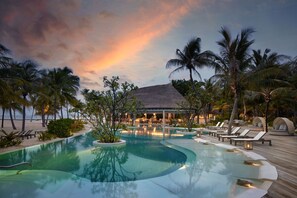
{"type": "Point", "coordinates": [9, 139]}
{"type": "Point", "coordinates": [61, 128]}
{"type": "Point", "coordinates": [43, 136]}
{"type": "Point", "coordinates": [77, 125]}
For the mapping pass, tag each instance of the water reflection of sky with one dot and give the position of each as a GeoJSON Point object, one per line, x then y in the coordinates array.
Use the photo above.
{"type": "Point", "coordinates": [206, 166]}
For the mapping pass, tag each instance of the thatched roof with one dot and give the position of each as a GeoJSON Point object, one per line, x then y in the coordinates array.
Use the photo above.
{"type": "Point", "coordinates": [159, 97]}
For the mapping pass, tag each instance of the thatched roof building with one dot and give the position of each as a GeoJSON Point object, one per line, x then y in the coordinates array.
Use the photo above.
{"type": "Point", "coordinates": [159, 98]}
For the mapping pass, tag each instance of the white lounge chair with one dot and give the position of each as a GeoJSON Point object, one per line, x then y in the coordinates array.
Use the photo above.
{"type": "Point", "coordinates": [257, 138]}
{"type": "Point", "coordinates": [233, 132]}
{"type": "Point", "coordinates": [224, 132]}
{"type": "Point", "coordinates": [241, 135]}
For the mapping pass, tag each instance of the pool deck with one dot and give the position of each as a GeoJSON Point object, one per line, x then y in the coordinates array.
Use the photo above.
{"type": "Point", "coordinates": [283, 155]}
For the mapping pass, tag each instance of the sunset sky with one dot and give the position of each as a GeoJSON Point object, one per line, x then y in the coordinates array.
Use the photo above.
{"type": "Point", "coordinates": [134, 39]}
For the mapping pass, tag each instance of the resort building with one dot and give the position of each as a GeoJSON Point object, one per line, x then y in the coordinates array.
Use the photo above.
{"type": "Point", "coordinates": [158, 102]}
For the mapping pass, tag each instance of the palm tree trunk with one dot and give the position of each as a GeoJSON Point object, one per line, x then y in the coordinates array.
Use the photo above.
{"type": "Point", "coordinates": [42, 116]}
{"type": "Point", "coordinates": [3, 112]}
{"type": "Point", "coordinates": [266, 116]}
{"type": "Point", "coordinates": [24, 117]}
{"type": "Point", "coordinates": [67, 110]}
{"type": "Point", "coordinates": [11, 119]}
{"type": "Point", "coordinates": [244, 110]}
{"type": "Point", "coordinates": [234, 111]}
{"type": "Point", "coordinates": [61, 112]}
{"type": "Point", "coordinates": [32, 114]}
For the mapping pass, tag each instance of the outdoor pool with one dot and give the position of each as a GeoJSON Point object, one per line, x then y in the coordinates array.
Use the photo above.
{"type": "Point", "coordinates": [144, 167]}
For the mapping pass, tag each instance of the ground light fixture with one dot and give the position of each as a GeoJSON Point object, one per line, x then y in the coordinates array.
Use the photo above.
{"type": "Point", "coordinates": [248, 145]}
{"type": "Point", "coordinates": [244, 183]}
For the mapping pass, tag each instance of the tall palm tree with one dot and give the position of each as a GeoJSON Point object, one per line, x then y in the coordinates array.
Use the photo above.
{"type": "Point", "coordinates": [268, 76]}
{"type": "Point", "coordinates": [26, 76]}
{"type": "Point", "coordinates": [233, 62]}
{"type": "Point", "coordinates": [63, 87]}
{"type": "Point", "coordinates": [190, 58]}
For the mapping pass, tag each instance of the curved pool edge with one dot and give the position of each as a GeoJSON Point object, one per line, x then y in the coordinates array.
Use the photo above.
{"type": "Point", "coordinates": [267, 172]}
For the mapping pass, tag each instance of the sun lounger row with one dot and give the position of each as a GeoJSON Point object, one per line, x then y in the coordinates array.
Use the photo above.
{"type": "Point", "coordinates": [242, 137]}
{"type": "Point", "coordinates": [223, 132]}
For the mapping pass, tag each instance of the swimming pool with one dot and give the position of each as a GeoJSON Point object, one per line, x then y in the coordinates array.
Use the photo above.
{"type": "Point", "coordinates": [141, 168]}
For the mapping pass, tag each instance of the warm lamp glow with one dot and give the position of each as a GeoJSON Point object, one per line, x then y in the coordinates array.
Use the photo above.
{"type": "Point", "coordinates": [248, 145]}
{"type": "Point", "coordinates": [244, 183]}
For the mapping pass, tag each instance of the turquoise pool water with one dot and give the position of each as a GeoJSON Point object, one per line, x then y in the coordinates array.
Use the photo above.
{"type": "Point", "coordinates": [138, 159]}
{"type": "Point", "coordinates": [144, 167]}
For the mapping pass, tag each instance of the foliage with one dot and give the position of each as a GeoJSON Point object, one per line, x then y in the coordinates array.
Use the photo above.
{"type": "Point", "coordinates": [77, 125]}
{"type": "Point", "coordinates": [44, 136]}
{"type": "Point", "coordinates": [9, 139]}
{"type": "Point", "coordinates": [103, 109]}
{"type": "Point", "coordinates": [61, 128]}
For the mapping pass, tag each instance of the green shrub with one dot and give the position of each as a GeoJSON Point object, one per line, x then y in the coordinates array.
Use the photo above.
{"type": "Point", "coordinates": [43, 136]}
{"type": "Point", "coordinates": [61, 128]}
{"type": "Point", "coordinates": [77, 125]}
{"type": "Point", "coordinates": [9, 139]}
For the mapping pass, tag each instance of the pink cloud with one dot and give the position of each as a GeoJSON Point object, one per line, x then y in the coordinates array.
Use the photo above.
{"type": "Point", "coordinates": [87, 35]}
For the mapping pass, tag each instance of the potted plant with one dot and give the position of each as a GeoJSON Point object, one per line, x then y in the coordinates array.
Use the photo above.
{"type": "Point", "coordinates": [103, 109]}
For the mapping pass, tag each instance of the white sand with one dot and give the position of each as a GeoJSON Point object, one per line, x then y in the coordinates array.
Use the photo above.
{"type": "Point", "coordinates": [34, 125]}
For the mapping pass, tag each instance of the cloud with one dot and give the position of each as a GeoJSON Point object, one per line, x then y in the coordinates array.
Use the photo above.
{"type": "Point", "coordinates": [87, 35]}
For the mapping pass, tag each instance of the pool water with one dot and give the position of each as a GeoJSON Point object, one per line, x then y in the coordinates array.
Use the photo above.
{"type": "Point", "coordinates": [138, 159]}
{"type": "Point", "coordinates": [145, 167]}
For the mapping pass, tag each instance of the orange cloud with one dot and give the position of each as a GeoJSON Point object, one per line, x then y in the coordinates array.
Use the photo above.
{"type": "Point", "coordinates": [137, 31]}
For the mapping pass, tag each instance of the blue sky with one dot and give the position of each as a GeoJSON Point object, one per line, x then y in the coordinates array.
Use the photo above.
{"type": "Point", "coordinates": [135, 38]}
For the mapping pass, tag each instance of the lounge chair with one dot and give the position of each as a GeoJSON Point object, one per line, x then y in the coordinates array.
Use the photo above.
{"type": "Point", "coordinates": [223, 132]}
{"type": "Point", "coordinates": [234, 131]}
{"type": "Point", "coordinates": [27, 134]}
{"type": "Point", "coordinates": [257, 138]}
{"type": "Point", "coordinates": [214, 127]}
{"type": "Point", "coordinates": [241, 135]}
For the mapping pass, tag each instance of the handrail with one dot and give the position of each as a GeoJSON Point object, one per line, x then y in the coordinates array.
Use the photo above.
{"type": "Point", "coordinates": [18, 164]}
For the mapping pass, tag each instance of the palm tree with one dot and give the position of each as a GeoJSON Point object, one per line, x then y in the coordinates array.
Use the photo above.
{"type": "Point", "coordinates": [190, 58]}
{"type": "Point", "coordinates": [233, 62]}
{"type": "Point", "coordinates": [63, 86]}
{"type": "Point", "coordinates": [26, 77]}
{"type": "Point", "coordinates": [4, 59]}
{"type": "Point", "coordinates": [268, 76]}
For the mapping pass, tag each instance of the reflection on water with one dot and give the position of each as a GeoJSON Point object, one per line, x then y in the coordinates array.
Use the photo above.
{"type": "Point", "coordinates": [107, 165]}
{"type": "Point", "coordinates": [138, 159]}
{"type": "Point", "coordinates": [115, 172]}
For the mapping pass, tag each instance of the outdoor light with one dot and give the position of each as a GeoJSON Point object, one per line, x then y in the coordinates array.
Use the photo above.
{"type": "Point", "coordinates": [248, 145]}
{"type": "Point", "coordinates": [252, 163]}
{"type": "Point", "coordinates": [244, 183]}
{"type": "Point", "coordinates": [231, 150]}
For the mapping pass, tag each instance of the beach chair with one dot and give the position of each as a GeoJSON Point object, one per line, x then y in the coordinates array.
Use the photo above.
{"type": "Point", "coordinates": [241, 135]}
{"type": "Point", "coordinates": [234, 131]}
{"type": "Point", "coordinates": [223, 132]}
{"type": "Point", "coordinates": [212, 130]}
{"type": "Point", "coordinates": [214, 127]}
{"type": "Point", "coordinates": [257, 138]}
{"type": "Point", "coordinates": [25, 134]}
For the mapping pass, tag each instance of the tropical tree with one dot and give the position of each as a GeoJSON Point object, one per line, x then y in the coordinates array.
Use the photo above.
{"type": "Point", "coordinates": [268, 77]}
{"type": "Point", "coordinates": [232, 64]}
{"type": "Point", "coordinates": [62, 85]}
{"type": "Point", "coordinates": [191, 58]}
{"type": "Point", "coordinates": [5, 76]}
{"type": "Point", "coordinates": [27, 75]}
{"type": "Point", "coordinates": [5, 60]}
{"type": "Point", "coordinates": [104, 108]}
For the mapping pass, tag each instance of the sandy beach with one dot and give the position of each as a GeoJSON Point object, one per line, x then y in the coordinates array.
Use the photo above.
{"type": "Point", "coordinates": [34, 125]}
